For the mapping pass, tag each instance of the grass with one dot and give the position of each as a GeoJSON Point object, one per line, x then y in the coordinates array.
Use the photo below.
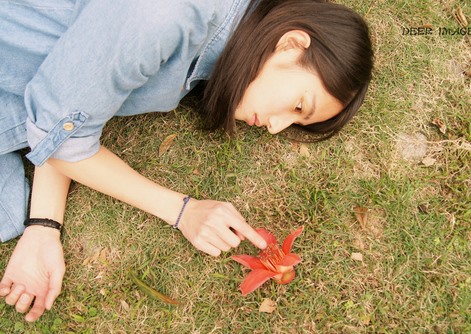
{"type": "Point", "coordinates": [415, 276]}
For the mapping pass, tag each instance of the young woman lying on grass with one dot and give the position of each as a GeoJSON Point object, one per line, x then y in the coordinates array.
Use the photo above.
{"type": "Point", "coordinates": [67, 67]}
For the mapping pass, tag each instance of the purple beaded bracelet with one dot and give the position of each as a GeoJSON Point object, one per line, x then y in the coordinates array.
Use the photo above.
{"type": "Point", "coordinates": [185, 200]}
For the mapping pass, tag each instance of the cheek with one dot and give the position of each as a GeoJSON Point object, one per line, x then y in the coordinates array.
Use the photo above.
{"type": "Point", "coordinates": [246, 101]}
{"type": "Point", "coordinates": [253, 96]}
{"type": "Point", "coordinates": [267, 96]}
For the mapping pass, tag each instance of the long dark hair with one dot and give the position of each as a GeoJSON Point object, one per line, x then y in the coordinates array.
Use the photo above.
{"type": "Point", "coordinates": [340, 53]}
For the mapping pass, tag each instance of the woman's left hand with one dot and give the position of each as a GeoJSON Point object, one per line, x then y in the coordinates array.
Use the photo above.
{"type": "Point", "coordinates": [213, 227]}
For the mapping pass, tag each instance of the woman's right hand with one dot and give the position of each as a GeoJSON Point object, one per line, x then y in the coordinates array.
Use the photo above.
{"type": "Point", "coordinates": [34, 272]}
{"type": "Point", "coordinates": [213, 227]}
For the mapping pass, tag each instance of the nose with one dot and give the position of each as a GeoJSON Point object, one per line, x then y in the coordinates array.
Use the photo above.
{"type": "Point", "coordinates": [278, 123]}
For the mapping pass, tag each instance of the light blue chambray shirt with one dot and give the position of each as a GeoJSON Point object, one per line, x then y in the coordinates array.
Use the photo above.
{"type": "Point", "coordinates": [102, 58]}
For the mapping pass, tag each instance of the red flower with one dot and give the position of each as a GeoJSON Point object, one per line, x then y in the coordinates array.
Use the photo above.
{"type": "Point", "coordinates": [272, 262]}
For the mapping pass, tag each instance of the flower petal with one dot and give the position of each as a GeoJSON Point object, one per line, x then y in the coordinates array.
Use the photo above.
{"type": "Point", "coordinates": [254, 279]}
{"type": "Point", "coordinates": [287, 263]}
{"type": "Point", "coordinates": [287, 277]}
{"type": "Point", "coordinates": [290, 260]}
{"type": "Point", "coordinates": [249, 261]}
{"type": "Point", "coordinates": [288, 243]}
{"type": "Point", "coordinates": [269, 238]}
{"type": "Point", "coordinates": [283, 269]}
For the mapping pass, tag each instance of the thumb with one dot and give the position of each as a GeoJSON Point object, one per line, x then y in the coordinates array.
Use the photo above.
{"type": "Point", "coordinates": [55, 285]}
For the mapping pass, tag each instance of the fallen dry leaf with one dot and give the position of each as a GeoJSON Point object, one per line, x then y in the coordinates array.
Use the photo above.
{"type": "Point", "coordinates": [100, 275]}
{"type": "Point", "coordinates": [166, 143]}
{"type": "Point", "coordinates": [362, 215]}
{"type": "Point", "coordinates": [150, 291]}
{"type": "Point", "coordinates": [125, 306]}
{"type": "Point", "coordinates": [100, 253]}
{"type": "Point", "coordinates": [267, 306]}
{"type": "Point", "coordinates": [304, 151]}
{"type": "Point", "coordinates": [359, 244]}
{"type": "Point", "coordinates": [366, 319]}
{"type": "Point", "coordinates": [357, 256]}
{"type": "Point", "coordinates": [440, 125]}
{"type": "Point", "coordinates": [103, 254]}
{"type": "Point", "coordinates": [460, 17]}
{"type": "Point", "coordinates": [423, 208]}
{"type": "Point", "coordinates": [428, 161]}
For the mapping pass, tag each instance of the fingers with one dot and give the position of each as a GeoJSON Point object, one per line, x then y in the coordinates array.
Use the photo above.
{"type": "Point", "coordinates": [218, 226]}
{"type": "Point", "coordinates": [15, 294]}
{"type": "Point", "coordinates": [220, 244]}
{"type": "Point", "coordinates": [24, 302]}
{"type": "Point", "coordinates": [209, 249]}
{"type": "Point", "coordinates": [219, 239]}
{"type": "Point", "coordinates": [213, 245]}
{"type": "Point", "coordinates": [37, 310]}
{"type": "Point", "coordinates": [246, 231]}
{"type": "Point", "coordinates": [229, 237]}
{"type": "Point", "coordinates": [5, 286]}
{"type": "Point", "coordinates": [55, 284]}
{"type": "Point", "coordinates": [240, 236]}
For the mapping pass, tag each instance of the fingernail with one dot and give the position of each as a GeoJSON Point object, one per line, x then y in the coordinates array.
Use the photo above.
{"type": "Point", "coordinates": [4, 291]}
{"type": "Point", "coordinates": [29, 318]}
{"type": "Point", "coordinates": [263, 244]}
{"type": "Point", "coordinates": [24, 299]}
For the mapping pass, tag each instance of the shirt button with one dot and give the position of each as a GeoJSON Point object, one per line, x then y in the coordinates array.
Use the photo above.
{"type": "Point", "coordinates": [69, 126]}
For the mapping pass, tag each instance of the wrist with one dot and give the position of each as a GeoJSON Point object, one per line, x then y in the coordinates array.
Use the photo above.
{"type": "Point", "coordinates": [186, 214]}
{"type": "Point", "coordinates": [41, 233]}
{"type": "Point", "coordinates": [45, 224]}
{"type": "Point", "coordinates": [182, 210]}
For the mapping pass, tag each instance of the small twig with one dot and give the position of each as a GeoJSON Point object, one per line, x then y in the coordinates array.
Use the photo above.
{"type": "Point", "coordinates": [463, 144]}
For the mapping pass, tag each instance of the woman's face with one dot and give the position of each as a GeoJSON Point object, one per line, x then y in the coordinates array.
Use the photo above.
{"type": "Point", "coordinates": [284, 93]}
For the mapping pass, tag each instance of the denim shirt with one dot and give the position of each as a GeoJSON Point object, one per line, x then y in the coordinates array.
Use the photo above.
{"type": "Point", "coordinates": [122, 58]}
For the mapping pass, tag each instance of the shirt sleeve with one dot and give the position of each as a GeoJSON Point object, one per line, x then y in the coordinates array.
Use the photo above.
{"type": "Point", "coordinates": [112, 48]}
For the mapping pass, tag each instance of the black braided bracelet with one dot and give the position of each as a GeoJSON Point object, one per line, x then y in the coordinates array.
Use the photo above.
{"type": "Point", "coordinates": [43, 222]}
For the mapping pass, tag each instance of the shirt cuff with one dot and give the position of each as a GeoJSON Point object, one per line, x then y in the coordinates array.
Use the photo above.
{"type": "Point", "coordinates": [58, 143]}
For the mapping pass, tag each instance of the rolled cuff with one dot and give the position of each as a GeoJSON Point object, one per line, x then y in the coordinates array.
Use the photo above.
{"type": "Point", "coordinates": [59, 143]}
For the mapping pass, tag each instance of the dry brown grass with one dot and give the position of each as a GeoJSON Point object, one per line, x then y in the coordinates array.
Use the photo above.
{"type": "Point", "coordinates": [414, 275]}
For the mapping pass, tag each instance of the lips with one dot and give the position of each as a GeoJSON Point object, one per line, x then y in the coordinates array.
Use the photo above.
{"type": "Point", "coordinates": [257, 121]}
{"type": "Point", "coordinates": [252, 121]}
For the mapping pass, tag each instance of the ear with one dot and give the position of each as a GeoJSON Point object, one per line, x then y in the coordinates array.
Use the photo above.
{"type": "Point", "coordinates": [298, 39]}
